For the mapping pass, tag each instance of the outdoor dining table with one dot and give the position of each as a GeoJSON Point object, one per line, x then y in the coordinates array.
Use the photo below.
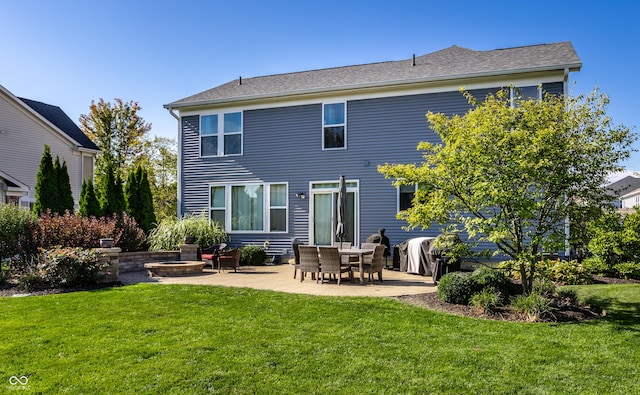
{"type": "Point", "coordinates": [360, 253]}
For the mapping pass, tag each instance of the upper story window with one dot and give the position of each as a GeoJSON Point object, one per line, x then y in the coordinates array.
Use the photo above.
{"type": "Point", "coordinates": [334, 125]}
{"type": "Point", "coordinates": [221, 134]}
{"type": "Point", "coordinates": [249, 207]}
{"type": "Point", "coordinates": [406, 194]}
{"type": "Point", "coordinates": [525, 93]}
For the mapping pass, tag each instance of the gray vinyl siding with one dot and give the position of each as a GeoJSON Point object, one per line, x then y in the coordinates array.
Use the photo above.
{"type": "Point", "coordinates": [284, 144]}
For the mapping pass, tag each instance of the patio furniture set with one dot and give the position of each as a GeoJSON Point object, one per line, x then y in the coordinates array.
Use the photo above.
{"type": "Point", "coordinates": [341, 258]}
{"type": "Point", "coordinates": [217, 256]}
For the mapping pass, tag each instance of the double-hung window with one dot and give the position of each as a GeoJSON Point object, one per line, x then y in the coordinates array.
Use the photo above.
{"type": "Point", "coordinates": [221, 134]}
{"type": "Point", "coordinates": [251, 207]}
{"type": "Point", "coordinates": [406, 193]}
{"type": "Point", "coordinates": [334, 125]}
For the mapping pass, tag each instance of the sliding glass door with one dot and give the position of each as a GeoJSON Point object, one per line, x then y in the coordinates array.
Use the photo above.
{"type": "Point", "coordinates": [324, 198]}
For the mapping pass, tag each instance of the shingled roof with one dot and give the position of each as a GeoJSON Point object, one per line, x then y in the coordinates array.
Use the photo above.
{"type": "Point", "coordinates": [59, 119]}
{"type": "Point", "coordinates": [447, 64]}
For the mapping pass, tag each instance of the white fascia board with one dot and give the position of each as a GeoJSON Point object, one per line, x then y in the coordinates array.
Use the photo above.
{"type": "Point", "coordinates": [34, 114]}
{"type": "Point", "coordinates": [377, 91]}
{"type": "Point", "coordinates": [13, 180]}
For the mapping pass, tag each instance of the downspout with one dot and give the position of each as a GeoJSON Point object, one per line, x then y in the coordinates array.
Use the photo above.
{"type": "Point", "coordinates": [179, 164]}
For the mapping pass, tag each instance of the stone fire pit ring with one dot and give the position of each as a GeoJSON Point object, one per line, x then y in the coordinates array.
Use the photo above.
{"type": "Point", "coordinates": [174, 268]}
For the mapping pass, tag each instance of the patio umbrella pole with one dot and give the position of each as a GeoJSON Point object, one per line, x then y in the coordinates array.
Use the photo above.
{"type": "Point", "coordinates": [341, 229]}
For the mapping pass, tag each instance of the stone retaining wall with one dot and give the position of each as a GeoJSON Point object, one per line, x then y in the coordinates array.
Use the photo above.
{"type": "Point", "coordinates": [134, 261]}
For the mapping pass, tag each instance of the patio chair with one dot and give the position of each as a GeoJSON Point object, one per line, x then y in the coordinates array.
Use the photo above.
{"type": "Point", "coordinates": [230, 259]}
{"type": "Point", "coordinates": [330, 263]}
{"type": "Point", "coordinates": [210, 254]}
{"type": "Point", "coordinates": [345, 245]}
{"type": "Point", "coordinates": [309, 262]}
{"type": "Point", "coordinates": [376, 264]}
{"type": "Point", "coordinates": [368, 246]}
{"type": "Point", "coordinates": [296, 258]}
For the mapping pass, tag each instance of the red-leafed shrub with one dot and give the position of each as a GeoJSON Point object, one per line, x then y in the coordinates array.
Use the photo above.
{"type": "Point", "coordinates": [72, 230]}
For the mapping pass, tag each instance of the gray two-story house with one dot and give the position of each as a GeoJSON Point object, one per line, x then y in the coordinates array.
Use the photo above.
{"type": "Point", "coordinates": [263, 155]}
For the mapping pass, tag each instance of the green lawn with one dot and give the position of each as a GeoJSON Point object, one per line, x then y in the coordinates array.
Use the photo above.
{"type": "Point", "coordinates": [154, 339]}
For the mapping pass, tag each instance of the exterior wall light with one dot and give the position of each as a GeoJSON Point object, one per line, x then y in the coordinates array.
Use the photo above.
{"type": "Point", "coordinates": [301, 195]}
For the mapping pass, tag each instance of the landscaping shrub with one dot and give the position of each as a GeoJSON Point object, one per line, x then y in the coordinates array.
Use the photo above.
{"type": "Point", "coordinates": [561, 271]}
{"type": "Point", "coordinates": [544, 287]}
{"type": "Point", "coordinates": [16, 232]}
{"type": "Point", "coordinates": [64, 266]}
{"type": "Point", "coordinates": [627, 269]}
{"type": "Point", "coordinates": [72, 230]}
{"type": "Point", "coordinates": [457, 287]}
{"type": "Point", "coordinates": [171, 232]}
{"type": "Point", "coordinates": [495, 280]}
{"type": "Point", "coordinates": [614, 244]}
{"type": "Point", "coordinates": [127, 234]}
{"type": "Point", "coordinates": [565, 272]}
{"type": "Point", "coordinates": [532, 307]}
{"type": "Point", "coordinates": [566, 297]}
{"type": "Point", "coordinates": [486, 300]}
{"type": "Point", "coordinates": [253, 256]}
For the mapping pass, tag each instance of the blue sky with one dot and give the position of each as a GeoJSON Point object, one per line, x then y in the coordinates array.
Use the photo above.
{"type": "Point", "coordinates": [68, 53]}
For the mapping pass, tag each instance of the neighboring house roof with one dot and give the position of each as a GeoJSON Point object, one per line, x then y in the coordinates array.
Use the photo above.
{"type": "Point", "coordinates": [447, 64]}
{"type": "Point", "coordinates": [623, 186]}
{"type": "Point", "coordinates": [59, 119]}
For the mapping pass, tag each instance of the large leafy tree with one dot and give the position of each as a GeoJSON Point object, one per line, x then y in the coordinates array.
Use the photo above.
{"type": "Point", "coordinates": [118, 130]}
{"type": "Point", "coordinates": [160, 162]}
{"type": "Point", "coordinates": [511, 171]}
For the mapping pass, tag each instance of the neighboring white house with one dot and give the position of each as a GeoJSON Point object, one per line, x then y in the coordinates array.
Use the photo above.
{"type": "Point", "coordinates": [626, 190]}
{"type": "Point", "coordinates": [25, 127]}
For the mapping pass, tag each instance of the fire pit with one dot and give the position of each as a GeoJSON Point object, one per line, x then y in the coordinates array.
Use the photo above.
{"type": "Point", "coordinates": [174, 268]}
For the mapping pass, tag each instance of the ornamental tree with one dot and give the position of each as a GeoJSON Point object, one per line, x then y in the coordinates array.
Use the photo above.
{"type": "Point", "coordinates": [511, 171]}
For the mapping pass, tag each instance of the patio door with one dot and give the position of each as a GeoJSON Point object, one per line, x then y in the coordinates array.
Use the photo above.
{"type": "Point", "coordinates": [323, 213]}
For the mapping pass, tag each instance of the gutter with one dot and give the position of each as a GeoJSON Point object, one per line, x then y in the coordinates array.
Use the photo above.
{"type": "Point", "coordinates": [179, 169]}
{"type": "Point", "coordinates": [383, 84]}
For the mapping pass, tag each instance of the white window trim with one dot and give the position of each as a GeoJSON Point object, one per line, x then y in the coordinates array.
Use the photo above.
{"type": "Point", "coordinates": [266, 212]}
{"type": "Point", "coordinates": [335, 124]}
{"type": "Point", "coordinates": [221, 134]}
{"type": "Point", "coordinates": [316, 188]}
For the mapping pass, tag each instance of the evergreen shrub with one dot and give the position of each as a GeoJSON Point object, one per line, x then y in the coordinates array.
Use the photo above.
{"type": "Point", "coordinates": [457, 287]}
{"type": "Point", "coordinates": [252, 256]}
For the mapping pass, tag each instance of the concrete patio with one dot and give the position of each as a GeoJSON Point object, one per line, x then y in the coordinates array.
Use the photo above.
{"type": "Point", "coordinates": [280, 278]}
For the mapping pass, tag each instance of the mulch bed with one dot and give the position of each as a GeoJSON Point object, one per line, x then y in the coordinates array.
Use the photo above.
{"type": "Point", "coordinates": [432, 302]}
{"type": "Point", "coordinates": [562, 314]}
